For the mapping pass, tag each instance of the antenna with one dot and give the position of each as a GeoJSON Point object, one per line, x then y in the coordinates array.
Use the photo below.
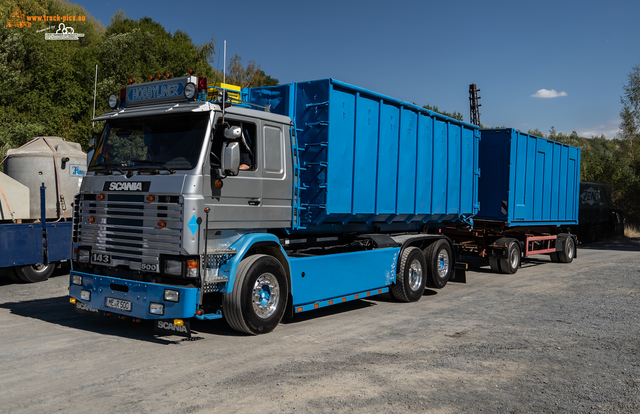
{"type": "Point", "coordinates": [224, 79]}
{"type": "Point", "coordinates": [95, 86]}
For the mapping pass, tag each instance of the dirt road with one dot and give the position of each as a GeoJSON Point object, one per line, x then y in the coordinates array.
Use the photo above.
{"type": "Point", "coordinates": [552, 338]}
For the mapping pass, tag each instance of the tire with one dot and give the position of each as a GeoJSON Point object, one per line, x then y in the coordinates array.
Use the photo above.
{"type": "Point", "coordinates": [493, 262]}
{"type": "Point", "coordinates": [554, 257]}
{"type": "Point", "coordinates": [439, 264]}
{"type": "Point", "coordinates": [11, 274]}
{"type": "Point", "coordinates": [569, 251]}
{"type": "Point", "coordinates": [34, 273]}
{"type": "Point", "coordinates": [411, 277]}
{"type": "Point", "coordinates": [511, 264]}
{"type": "Point", "coordinates": [259, 297]}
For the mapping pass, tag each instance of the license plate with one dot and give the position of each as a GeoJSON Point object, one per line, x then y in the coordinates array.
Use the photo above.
{"type": "Point", "coordinates": [100, 258]}
{"type": "Point", "coordinates": [150, 267]}
{"type": "Point", "coordinates": [118, 304]}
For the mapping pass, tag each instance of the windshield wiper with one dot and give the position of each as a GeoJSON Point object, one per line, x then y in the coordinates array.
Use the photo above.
{"type": "Point", "coordinates": [159, 164]}
{"type": "Point", "coordinates": [109, 168]}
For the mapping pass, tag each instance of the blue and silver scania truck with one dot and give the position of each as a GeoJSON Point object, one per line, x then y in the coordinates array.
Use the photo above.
{"type": "Point", "coordinates": [294, 198]}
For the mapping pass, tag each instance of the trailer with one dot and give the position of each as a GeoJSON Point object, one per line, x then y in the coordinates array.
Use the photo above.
{"type": "Point", "coordinates": [35, 228]}
{"type": "Point", "coordinates": [528, 194]}
{"type": "Point", "coordinates": [299, 197]}
{"type": "Point", "coordinates": [597, 218]}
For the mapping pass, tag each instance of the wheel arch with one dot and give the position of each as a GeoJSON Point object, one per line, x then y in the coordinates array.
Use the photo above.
{"type": "Point", "coordinates": [256, 243]}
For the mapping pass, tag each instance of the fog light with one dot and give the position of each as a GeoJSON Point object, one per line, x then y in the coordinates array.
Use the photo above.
{"type": "Point", "coordinates": [173, 267]}
{"type": "Point", "coordinates": [156, 308]}
{"type": "Point", "coordinates": [72, 300]}
{"type": "Point", "coordinates": [190, 90]}
{"type": "Point", "coordinates": [83, 255]}
{"type": "Point", "coordinates": [178, 322]}
{"type": "Point", "coordinates": [113, 101]}
{"type": "Point", "coordinates": [77, 280]}
{"type": "Point", "coordinates": [85, 295]}
{"type": "Point", "coordinates": [171, 295]}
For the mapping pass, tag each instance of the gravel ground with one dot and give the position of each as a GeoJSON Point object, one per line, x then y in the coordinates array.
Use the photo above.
{"type": "Point", "coordinates": [551, 338]}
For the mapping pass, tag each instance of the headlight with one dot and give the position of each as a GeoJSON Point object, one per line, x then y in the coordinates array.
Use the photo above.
{"type": "Point", "coordinates": [190, 90]}
{"type": "Point", "coordinates": [114, 101]}
{"type": "Point", "coordinates": [173, 267]}
{"type": "Point", "coordinates": [171, 295]}
{"type": "Point", "coordinates": [77, 280]}
{"type": "Point", "coordinates": [156, 308]}
{"type": "Point", "coordinates": [83, 254]}
{"type": "Point", "coordinates": [85, 295]}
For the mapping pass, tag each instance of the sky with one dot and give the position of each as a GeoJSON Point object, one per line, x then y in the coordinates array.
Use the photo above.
{"type": "Point", "coordinates": [538, 64]}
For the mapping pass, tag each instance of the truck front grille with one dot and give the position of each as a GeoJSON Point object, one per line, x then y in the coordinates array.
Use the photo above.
{"type": "Point", "coordinates": [125, 226]}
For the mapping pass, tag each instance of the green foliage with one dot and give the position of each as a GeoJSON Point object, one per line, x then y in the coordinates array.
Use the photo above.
{"type": "Point", "coordinates": [455, 115]}
{"type": "Point", "coordinates": [47, 86]}
{"type": "Point", "coordinates": [247, 76]}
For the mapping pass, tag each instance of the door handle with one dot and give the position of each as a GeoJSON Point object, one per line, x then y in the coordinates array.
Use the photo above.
{"type": "Point", "coordinates": [254, 202]}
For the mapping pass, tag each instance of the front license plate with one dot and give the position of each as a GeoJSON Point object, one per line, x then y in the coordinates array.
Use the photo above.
{"type": "Point", "coordinates": [118, 304]}
{"type": "Point", "coordinates": [100, 258]}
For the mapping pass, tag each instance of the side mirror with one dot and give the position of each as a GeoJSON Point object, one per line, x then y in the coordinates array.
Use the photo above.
{"type": "Point", "coordinates": [92, 142]}
{"type": "Point", "coordinates": [231, 158]}
{"type": "Point", "coordinates": [233, 132]}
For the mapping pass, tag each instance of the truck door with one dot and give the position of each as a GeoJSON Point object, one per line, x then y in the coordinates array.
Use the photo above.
{"type": "Point", "coordinates": [238, 204]}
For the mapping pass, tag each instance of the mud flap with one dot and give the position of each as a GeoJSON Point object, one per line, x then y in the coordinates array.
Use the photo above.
{"type": "Point", "coordinates": [459, 273]}
{"type": "Point", "coordinates": [164, 327]}
{"type": "Point", "coordinates": [85, 309]}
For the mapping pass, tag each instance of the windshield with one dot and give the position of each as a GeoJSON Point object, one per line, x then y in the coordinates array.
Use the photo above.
{"type": "Point", "coordinates": [167, 142]}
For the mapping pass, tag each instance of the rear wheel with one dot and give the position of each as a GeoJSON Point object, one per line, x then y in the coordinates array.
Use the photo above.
{"type": "Point", "coordinates": [38, 272]}
{"type": "Point", "coordinates": [258, 300]}
{"type": "Point", "coordinates": [410, 279]}
{"type": "Point", "coordinates": [495, 266]}
{"type": "Point", "coordinates": [569, 252]}
{"type": "Point", "coordinates": [439, 264]}
{"type": "Point", "coordinates": [511, 264]}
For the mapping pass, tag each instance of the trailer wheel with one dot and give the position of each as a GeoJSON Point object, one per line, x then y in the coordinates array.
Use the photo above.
{"type": "Point", "coordinates": [511, 264]}
{"type": "Point", "coordinates": [569, 251]}
{"type": "Point", "coordinates": [439, 264]}
{"type": "Point", "coordinates": [38, 272]}
{"type": "Point", "coordinates": [554, 257]}
{"type": "Point", "coordinates": [258, 300]}
{"type": "Point", "coordinates": [493, 263]}
{"type": "Point", "coordinates": [410, 279]}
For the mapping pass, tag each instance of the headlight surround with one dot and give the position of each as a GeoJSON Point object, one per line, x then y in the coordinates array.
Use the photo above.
{"type": "Point", "coordinates": [173, 267]}
{"type": "Point", "coordinates": [171, 295]}
{"type": "Point", "coordinates": [156, 308]}
{"type": "Point", "coordinates": [85, 295]}
{"type": "Point", "coordinates": [190, 90]}
{"type": "Point", "coordinates": [113, 101]}
{"type": "Point", "coordinates": [77, 280]}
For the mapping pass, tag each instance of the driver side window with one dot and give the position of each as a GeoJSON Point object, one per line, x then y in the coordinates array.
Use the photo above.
{"type": "Point", "coordinates": [248, 158]}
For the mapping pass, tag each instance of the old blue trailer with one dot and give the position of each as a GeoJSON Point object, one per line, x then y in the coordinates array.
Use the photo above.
{"type": "Point", "coordinates": [305, 195]}
{"type": "Point", "coordinates": [528, 195]}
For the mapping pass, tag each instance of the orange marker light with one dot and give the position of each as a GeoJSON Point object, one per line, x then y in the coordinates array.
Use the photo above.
{"type": "Point", "coordinates": [298, 309]}
{"type": "Point", "coordinates": [168, 75]}
{"type": "Point", "coordinates": [100, 197]}
{"type": "Point", "coordinates": [91, 220]}
{"type": "Point", "coordinates": [357, 296]}
{"type": "Point", "coordinates": [162, 224]}
{"type": "Point", "coordinates": [151, 198]}
{"type": "Point", "coordinates": [150, 77]}
{"type": "Point", "coordinates": [192, 264]}
{"type": "Point", "coordinates": [344, 299]}
{"type": "Point", "coordinates": [330, 302]}
{"type": "Point", "coordinates": [218, 184]}
{"type": "Point", "coordinates": [191, 71]}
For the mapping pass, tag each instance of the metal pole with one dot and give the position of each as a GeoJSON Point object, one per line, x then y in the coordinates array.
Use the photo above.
{"type": "Point", "coordinates": [224, 78]}
{"type": "Point", "coordinates": [95, 87]}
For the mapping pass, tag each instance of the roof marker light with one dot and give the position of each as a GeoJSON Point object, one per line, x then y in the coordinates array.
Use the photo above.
{"type": "Point", "coordinates": [168, 75]}
{"type": "Point", "coordinates": [158, 76]}
{"type": "Point", "coordinates": [191, 71]}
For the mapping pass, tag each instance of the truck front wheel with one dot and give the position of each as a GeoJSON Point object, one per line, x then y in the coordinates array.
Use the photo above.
{"type": "Point", "coordinates": [258, 300]}
{"type": "Point", "coordinates": [38, 272]}
{"type": "Point", "coordinates": [410, 279]}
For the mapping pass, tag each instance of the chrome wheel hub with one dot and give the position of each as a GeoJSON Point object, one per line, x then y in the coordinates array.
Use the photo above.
{"type": "Point", "coordinates": [265, 295]}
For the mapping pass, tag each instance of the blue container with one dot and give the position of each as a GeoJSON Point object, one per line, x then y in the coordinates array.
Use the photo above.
{"type": "Point", "coordinates": [527, 180]}
{"type": "Point", "coordinates": [371, 159]}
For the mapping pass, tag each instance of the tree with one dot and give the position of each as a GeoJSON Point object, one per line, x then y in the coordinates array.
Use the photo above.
{"type": "Point", "coordinates": [455, 115]}
{"type": "Point", "coordinates": [630, 113]}
{"type": "Point", "coordinates": [247, 77]}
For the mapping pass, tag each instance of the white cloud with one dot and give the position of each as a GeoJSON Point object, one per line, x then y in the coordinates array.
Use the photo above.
{"type": "Point", "coordinates": [545, 93]}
